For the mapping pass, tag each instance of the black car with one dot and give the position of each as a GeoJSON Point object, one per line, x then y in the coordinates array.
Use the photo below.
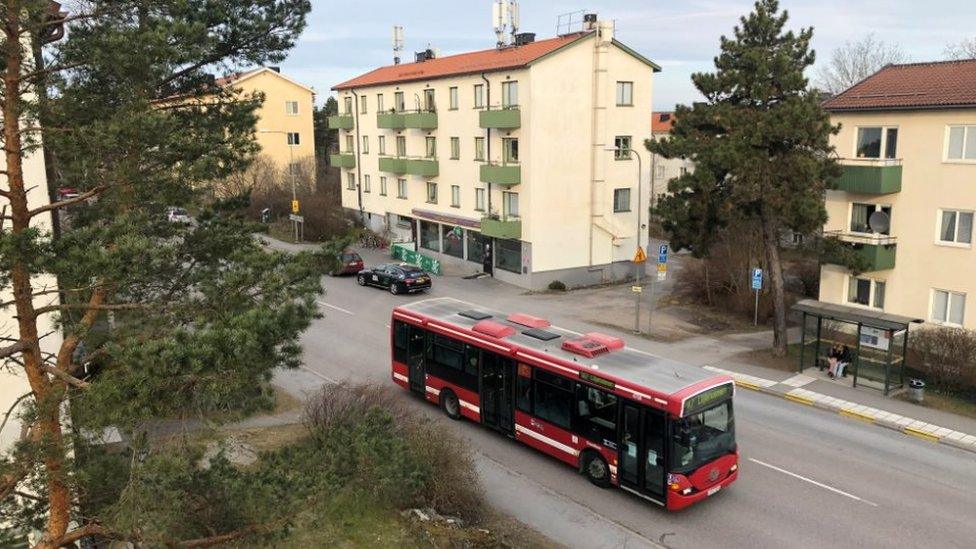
{"type": "Point", "coordinates": [399, 279]}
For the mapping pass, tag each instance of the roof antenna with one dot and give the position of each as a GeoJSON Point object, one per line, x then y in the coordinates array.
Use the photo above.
{"type": "Point", "coordinates": [500, 17]}
{"type": "Point", "coordinates": [397, 43]}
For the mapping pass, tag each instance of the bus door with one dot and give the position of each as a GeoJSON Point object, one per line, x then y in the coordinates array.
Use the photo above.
{"type": "Point", "coordinates": [498, 392]}
{"type": "Point", "coordinates": [416, 345]}
{"type": "Point", "coordinates": [641, 450]}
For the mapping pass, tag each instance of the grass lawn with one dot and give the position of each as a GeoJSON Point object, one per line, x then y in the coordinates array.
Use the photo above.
{"type": "Point", "coordinates": [765, 358]}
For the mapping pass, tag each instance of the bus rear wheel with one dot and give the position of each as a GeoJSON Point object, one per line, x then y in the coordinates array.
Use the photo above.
{"type": "Point", "coordinates": [450, 404]}
{"type": "Point", "coordinates": [596, 470]}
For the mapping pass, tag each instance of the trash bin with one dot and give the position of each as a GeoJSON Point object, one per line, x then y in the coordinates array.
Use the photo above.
{"type": "Point", "coordinates": [916, 390]}
{"type": "Point", "coordinates": [266, 215]}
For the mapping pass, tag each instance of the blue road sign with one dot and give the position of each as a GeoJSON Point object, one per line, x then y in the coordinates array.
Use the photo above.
{"type": "Point", "coordinates": [662, 254]}
{"type": "Point", "coordinates": [757, 279]}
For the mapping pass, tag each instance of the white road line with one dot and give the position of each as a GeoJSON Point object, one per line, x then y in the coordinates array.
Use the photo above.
{"type": "Point", "coordinates": [340, 309]}
{"type": "Point", "coordinates": [323, 376]}
{"type": "Point", "coordinates": [811, 481]}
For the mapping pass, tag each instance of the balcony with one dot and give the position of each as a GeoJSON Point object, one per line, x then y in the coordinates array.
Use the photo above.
{"type": "Point", "coordinates": [877, 251]}
{"type": "Point", "coordinates": [870, 176]}
{"type": "Point", "coordinates": [421, 120]}
{"type": "Point", "coordinates": [507, 228]}
{"type": "Point", "coordinates": [423, 167]}
{"type": "Point", "coordinates": [509, 118]}
{"type": "Point", "coordinates": [341, 122]}
{"type": "Point", "coordinates": [342, 160]}
{"type": "Point", "coordinates": [504, 175]}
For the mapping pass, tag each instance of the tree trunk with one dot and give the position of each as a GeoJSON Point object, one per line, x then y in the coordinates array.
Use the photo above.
{"type": "Point", "coordinates": [775, 267]}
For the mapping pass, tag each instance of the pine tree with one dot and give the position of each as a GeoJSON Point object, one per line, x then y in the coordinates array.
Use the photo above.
{"type": "Point", "coordinates": [158, 319]}
{"type": "Point", "coordinates": [760, 143]}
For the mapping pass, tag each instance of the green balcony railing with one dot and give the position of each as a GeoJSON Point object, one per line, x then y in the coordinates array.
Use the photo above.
{"type": "Point", "coordinates": [878, 252]}
{"type": "Point", "coordinates": [342, 160]}
{"type": "Point", "coordinates": [341, 122]}
{"type": "Point", "coordinates": [423, 167]}
{"type": "Point", "coordinates": [870, 176]}
{"type": "Point", "coordinates": [501, 119]}
{"type": "Point", "coordinates": [507, 228]}
{"type": "Point", "coordinates": [505, 175]}
{"type": "Point", "coordinates": [421, 120]}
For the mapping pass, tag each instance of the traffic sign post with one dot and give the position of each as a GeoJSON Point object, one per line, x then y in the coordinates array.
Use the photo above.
{"type": "Point", "coordinates": [639, 259]}
{"type": "Point", "coordinates": [757, 284]}
{"type": "Point", "coordinates": [297, 221]}
{"type": "Point", "coordinates": [662, 274]}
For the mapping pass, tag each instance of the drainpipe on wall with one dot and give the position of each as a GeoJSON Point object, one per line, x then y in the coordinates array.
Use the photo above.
{"type": "Point", "coordinates": [359, 164]}
{"type": "Point", "coordinates": [487, 139]}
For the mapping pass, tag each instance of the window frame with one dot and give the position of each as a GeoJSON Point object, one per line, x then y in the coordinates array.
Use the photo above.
{"type": "Point", "coordinates": [479, 199]}
{"type": "Point", "coordinates": [510, 145]}
{"type": "Point", "coordinates": [939, 219]}
{"type": "Point", "coordinates": [399, 103]}
{"type": "Point", "coordinates": [967, 128]}
{"type": "Point", "coordinates": [294, 139]}
{"type": "Point", "coordinates": [507, 87]}
{"type": "Point", "coordinates": [622, 85]}
{"type": "Point", "coordinates": [455, 196]}
{"type": "Point", "coordinates": [479, 96]}
{"type": "Point", "coordinates": [620, 152]}
{"type": "Point", "coordinates": [877, 208]}
{"type": "Point", "coordinates": [351, 181]}
{"type": "Point", "coordinates": [288, 105]}
{"type": "Point", "coordinates": [362, 105]}
{"type": "Point", "coordinates": [402, 188]}
{"type": "Point", "coordinates": [452, 94]}
{"type": "Point", "coordinates": [381, 145]}
{"type": "Point", "coordinates": [382, 185]}
{"type": "Point", "coordinates": [882, 146]}
{"type": "Point", "coordinates": [379, 102]}
{"type": "Point", "coordinates": [432, 192]}
{"type": "Point", "coordinates": [506, 201]}
{"type": "Point", "coordinates": [479, 149]}
{"type": "Point", "coordinates": [620, 190]}
{"type": "Point", "coordinates": [948, 311]}
{"type": "Point", "coordinates": [365, 149]}
{"type": "Point", "coordinates": [872, 293]}
{"type": "Point", "coordinates": [430, 147]}
{"type": "Point", "coordinates": [455, 148]}
{"type": "Point", "coordinates": [366, 183]}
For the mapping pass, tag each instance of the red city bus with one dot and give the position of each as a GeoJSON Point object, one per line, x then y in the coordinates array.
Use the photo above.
{"type": "Point", "coordinates": [659, 429]}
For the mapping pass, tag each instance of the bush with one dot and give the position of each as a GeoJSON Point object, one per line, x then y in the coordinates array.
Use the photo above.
{"type": "Point", "coordinates": [557, 286]}
{"type": "Point", "coordinates": [945, 357]}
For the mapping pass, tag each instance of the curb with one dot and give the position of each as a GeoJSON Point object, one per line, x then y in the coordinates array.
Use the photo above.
{"type": "Point", "coordinates": [906, 425]}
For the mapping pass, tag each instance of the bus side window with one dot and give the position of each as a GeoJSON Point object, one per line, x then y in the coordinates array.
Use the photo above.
{"type": "Point", "coordinates": [596, 414]}
{"type": "Point", "coordinates": [553, 398]}
{"type": "Point", "coordinates": [523, 388]}
{"type": "Point", "coordinates": [401, 333]}
{"type": "Point", "coordinates": [472, 360]}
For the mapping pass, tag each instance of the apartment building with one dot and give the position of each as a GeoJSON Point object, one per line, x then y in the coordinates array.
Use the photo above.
{"type": "Point", "coordinates": [285, 128]}
{"type": "Point", "coordinates": [663, 169]}
{"type": "Point", "coordinates": [907, 195]}
{"type": "Point", "coordinates": [503, 160]}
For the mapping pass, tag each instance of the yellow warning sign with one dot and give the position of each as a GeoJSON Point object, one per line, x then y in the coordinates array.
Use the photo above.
{"type": "Point", "coordinates": [640, 256]}
{"type": "Point", "coordinates": [294, 207]}
{"type": "Point", "coordinates": [637, 289]}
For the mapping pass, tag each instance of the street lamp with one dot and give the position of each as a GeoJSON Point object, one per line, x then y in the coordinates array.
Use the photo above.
{"type": "Point", "coordinates": [291, 173]}
{"type": "Point", "coordinates": [639, 267]}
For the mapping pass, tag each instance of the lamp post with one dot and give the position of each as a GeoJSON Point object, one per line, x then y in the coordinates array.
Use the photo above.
{"type": "Point", "coordinates": [639, 267]}
{"type": "Point", "coordinates": [291, 174]}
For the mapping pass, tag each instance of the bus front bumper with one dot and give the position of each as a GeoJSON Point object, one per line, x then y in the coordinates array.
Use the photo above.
{"type": "Point", "coordinates": [676, 501]}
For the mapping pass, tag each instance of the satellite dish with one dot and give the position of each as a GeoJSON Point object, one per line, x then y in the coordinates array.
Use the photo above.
{"type": "Point", "coordinates": [879, 222]}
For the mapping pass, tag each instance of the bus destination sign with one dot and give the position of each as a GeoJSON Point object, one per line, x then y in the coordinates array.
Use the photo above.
{"type": "Point", "coordinates": [606, 383]}
{"type": "Point", "coordinates": [706, 398]}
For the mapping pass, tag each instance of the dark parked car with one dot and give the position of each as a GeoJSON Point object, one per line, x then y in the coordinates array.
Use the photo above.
{"type": "Point", "coordinates": [349, 263]}
{"type": "Point", "coordinates": [399, 279]}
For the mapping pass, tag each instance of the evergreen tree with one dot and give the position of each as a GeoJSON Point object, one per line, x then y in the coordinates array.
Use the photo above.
{"type": "Point", "coordinates": [760, 143]}
{"type": "Point", "coordinates": [158, 319]}
{"type": "Point", "coordinates": [326, 139]}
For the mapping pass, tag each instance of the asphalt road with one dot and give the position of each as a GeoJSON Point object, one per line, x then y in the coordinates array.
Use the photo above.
{"type": "Point", "coordinates": [808, 478]}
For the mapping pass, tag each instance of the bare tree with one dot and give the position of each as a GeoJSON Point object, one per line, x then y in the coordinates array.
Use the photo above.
{"type": "Point", "coordinates": [964, 49]}
{"type": "Point", "coordinates": [855, 61]}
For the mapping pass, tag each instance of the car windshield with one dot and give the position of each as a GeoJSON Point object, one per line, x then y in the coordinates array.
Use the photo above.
{"type": "Point", "coordinates": [702, 437]}
{"type": "Point", "coordinates": [350, 257]}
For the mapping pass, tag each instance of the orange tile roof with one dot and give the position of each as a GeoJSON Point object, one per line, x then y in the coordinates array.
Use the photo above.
{"type": "Point", "coordinates": [662, 121]}
{"type": "Point", "coordinates": [465, 63]}
{"type": "Point", "coordinates": [941, 84]}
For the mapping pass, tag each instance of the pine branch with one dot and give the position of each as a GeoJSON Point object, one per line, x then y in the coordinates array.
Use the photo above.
{"type": "Point", "coordinates": [90, 307]}
{"type": "Point", "coordinates": [65, 377]}
{"type": "Point", "coordinates": [70, 201]}
{"type": "Point", "coordinates": [11, 350]}
{"type": "Point", "coordinates": [13, 407]}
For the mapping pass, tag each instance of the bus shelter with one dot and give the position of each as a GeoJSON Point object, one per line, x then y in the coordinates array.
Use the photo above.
{"type": "Point", "coordinates": [876, 342]}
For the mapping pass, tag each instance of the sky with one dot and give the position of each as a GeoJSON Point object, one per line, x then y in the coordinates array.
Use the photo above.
{"type": "Point", "coordinates": [347, 38]}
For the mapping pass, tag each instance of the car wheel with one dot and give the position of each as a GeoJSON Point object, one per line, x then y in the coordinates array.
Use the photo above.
{"type": "Point", "coordinates": [596, 470]}
{"type": "Point", "coordinates": [361, 279]}
{"type": "Point", "coordinates": [450, 404]}
{"type": "Point", "coordinates": [395, 288]}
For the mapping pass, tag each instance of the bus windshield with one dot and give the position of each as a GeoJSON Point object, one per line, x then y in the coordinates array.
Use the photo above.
{"type": "Point", "coordinates": [702, 437]}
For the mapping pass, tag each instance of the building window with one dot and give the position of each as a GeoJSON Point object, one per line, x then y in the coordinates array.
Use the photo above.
{"type": "Point", "coordinates": [479, 200]}
{"type": "Point", "coordinates": [291, 108]}
{"type": "Point", "coordinates": [402, 188]}
{"type": "Point", "coordinates": [431, 193]}
{"type": "Point", "coordinates": [381, 143]}
{"type": "Point", "coordinates": [453, 240]}
{"type": "Point", "coordinates": [350, 144]}
{"type": "Point", "coordinates": [509, 94]}
{"type": "Point", "coordinates": [401, 142]}
{"type": "Point", "coordinates": [510, 150]}
{"type": "Point", "coordinates": [379, 102]}
{"type": "Point", "coordinates": [455, 148]}
{"type": "Point", "coordinates": [294, 139]}
{"type": "Point", "coordinates": [948, 307]}
{"type": "Point", "coordinates": [365, 145]}
{"type": "Point", "coordinates": [479, 96]}
{"type": "Point", "coordinates": [625, 94]}
{"type": "Point", "coordinates": [398, 101]}
{"type": "Point", "coordinates": [430, 236]}
{"type": "Point", "coordinates": [431, 150]}
{"type": "Point", "coordinates": [366, 186]}
{"type": "Point", "coordinates": [867, 292]}
{"type": "Point", "coordinates": [382, 185]}
{"type": "Point", "coordinates": [429, 100]}
{"type": "Point", "coordinates": [362, 105]}
{"type": "Point", "coordinates": [508, 255]}
{"type": "Point", "coordinates": [455, 196]}
{"type": "Point", "coordinates": [351, 181]}
{"type": "Point", "coordinates": [861, 218]}
{"type": "Point", "coordinates": [872, 141]}
{"type": "Point", "coordinates": [660, 172]}
{"type": "Point", "coordinates": [294, 168]}
{"type": "Point", "coordinates": [510, 205]}
{"type": "Point", "coordinates": [962, 143]}
{"type": "Point", "coordinates": [454, 98]}
{"type": "Point", "coordinates": [683, 171]}
{"type": "Point", "coordinates": [621, 200]}
{"type": "Point", "coordinates": [475, 243]}
{"type": "Point", "coordinates": [621, 145]}
{"type": "Point", "coordinates": [956, 227]}
{"type": "Point", "coordinates": [479, 148]}
{"type": "Point", "coordinates": [347, 105]}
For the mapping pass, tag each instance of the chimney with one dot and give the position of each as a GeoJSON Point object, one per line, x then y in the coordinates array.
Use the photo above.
{"type": "Point", "coordinates": [524, 38]}
{"type": "Point", "coordinates": [276, 69]}
{"type": "Point", "coordinates": [589, 22]}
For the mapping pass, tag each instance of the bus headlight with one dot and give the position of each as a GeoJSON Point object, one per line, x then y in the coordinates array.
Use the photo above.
{"type": "Point", "coordinates": [734, 468]}
{"type": "Point", "coordinates": [686, 491]}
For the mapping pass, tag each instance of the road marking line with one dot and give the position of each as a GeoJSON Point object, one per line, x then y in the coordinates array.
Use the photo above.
{"type": "Point", "coordinates": [921, 434]}
{"type": "Point", "coordinates": [747, 385]}
{"type": "Point", "coordinates": [340, 309]}
{"type": "Point", "coordinates": [323, 376]}
{"type": "Point", "coordinates": [811, 481]}
{"type": "Point", "coordinates": [801, 400]}
{"type": "Point", "coordinates": [856, 415]}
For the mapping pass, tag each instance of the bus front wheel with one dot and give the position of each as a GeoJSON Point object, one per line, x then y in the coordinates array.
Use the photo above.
{"type": "Point", "coordinates": [596, 470]}
{"type": "Point", "coordinates": [450, 404]}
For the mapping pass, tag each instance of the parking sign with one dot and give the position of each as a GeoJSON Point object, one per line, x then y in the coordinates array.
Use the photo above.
{"type": "Point", "coordinates": [757, 279]}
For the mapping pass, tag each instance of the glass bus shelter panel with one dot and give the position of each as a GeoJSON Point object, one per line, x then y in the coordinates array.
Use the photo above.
{"type": "Point", "coordinates": [810, 341]}
{"type": "Point", "coordinates": [834, 333]}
